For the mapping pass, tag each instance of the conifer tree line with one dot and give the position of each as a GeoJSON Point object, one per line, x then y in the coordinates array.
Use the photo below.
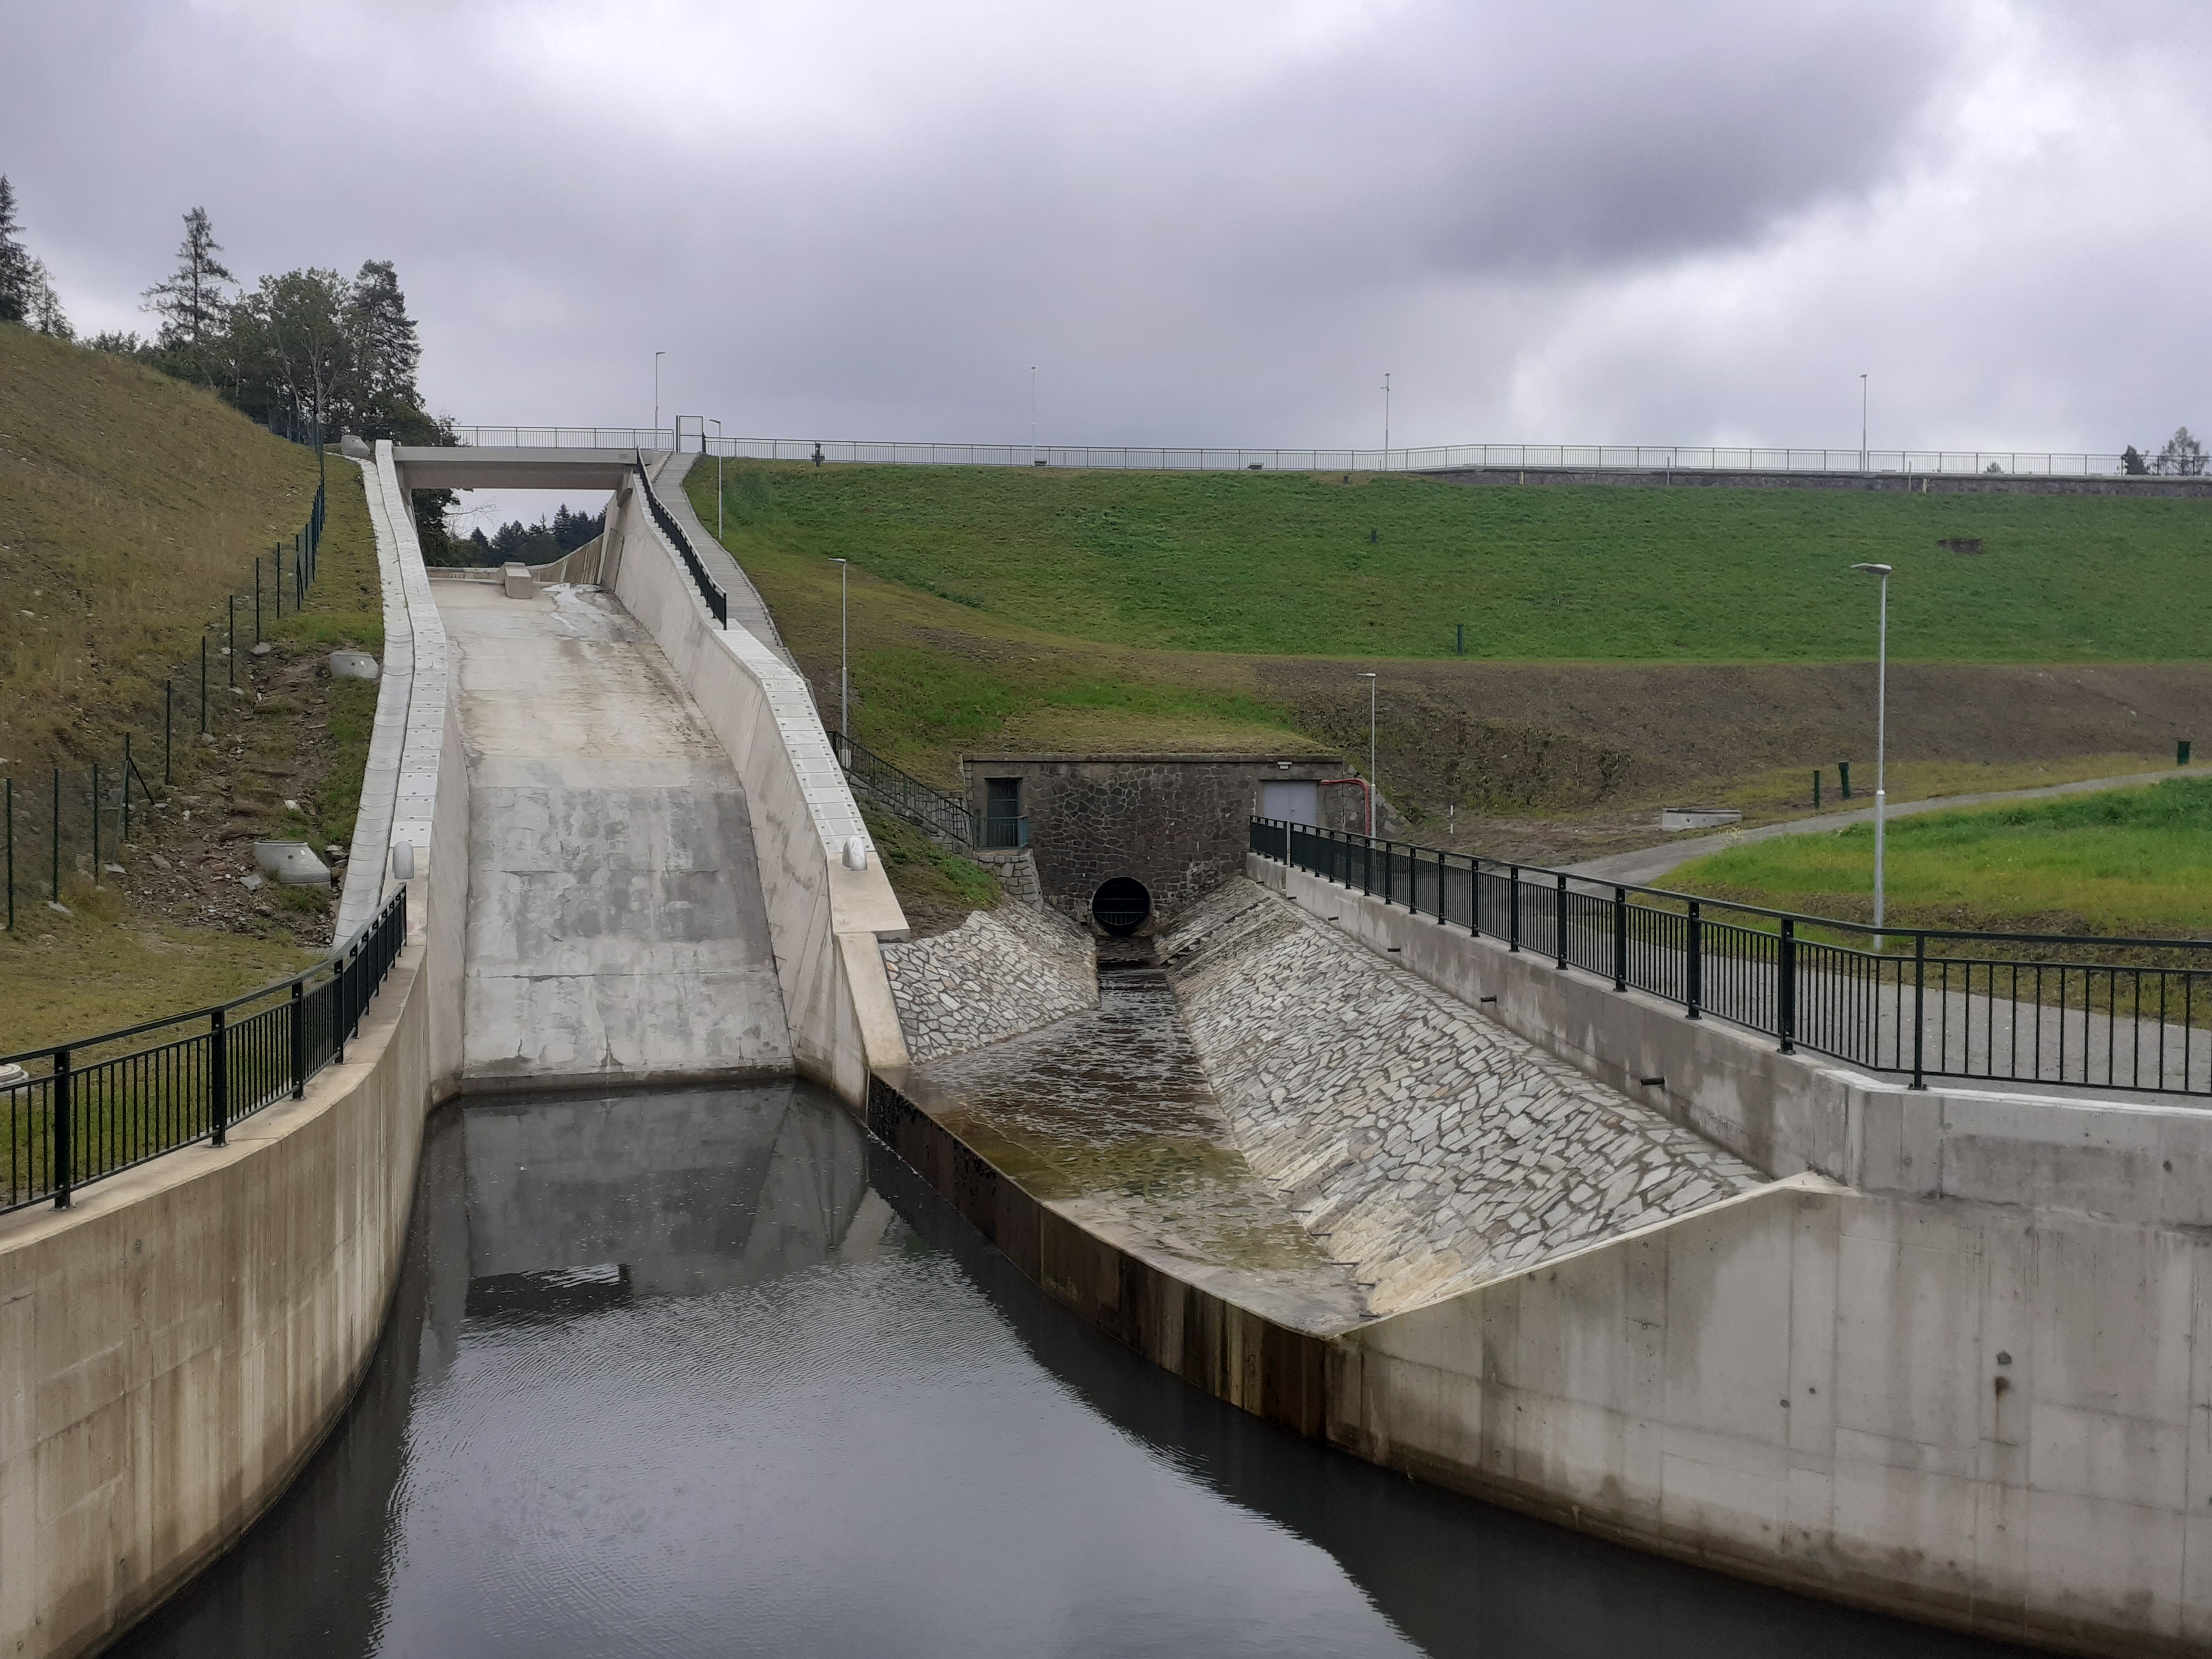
{"type": "Point", "coordinates": [306, 353]}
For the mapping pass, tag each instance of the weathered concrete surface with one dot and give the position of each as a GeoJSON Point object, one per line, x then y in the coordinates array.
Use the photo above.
{"type": "Point", "coordinates": [825, 916]}
{"type": "Point", "coordinates": [176, 1345]}
{"type": "Point", "coordinates": [1428, 1147]}
{"type": "Point", "coordinates": [615, 921]}
{"type": "Point", "coordinates": [1002, 972]}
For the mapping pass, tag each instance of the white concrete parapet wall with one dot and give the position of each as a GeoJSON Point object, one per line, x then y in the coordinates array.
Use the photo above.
{"type": "Point", "coordinates": [825, 916]}
{"type": "Point", "coordinates": [175, 1346]}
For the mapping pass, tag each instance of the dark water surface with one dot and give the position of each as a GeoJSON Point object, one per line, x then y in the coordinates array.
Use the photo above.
{"type": "Point", "coordinates": [711, 1373]}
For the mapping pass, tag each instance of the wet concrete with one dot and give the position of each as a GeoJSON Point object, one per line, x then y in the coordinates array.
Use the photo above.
{"type": "Point", "coordinates": [712, 1373]}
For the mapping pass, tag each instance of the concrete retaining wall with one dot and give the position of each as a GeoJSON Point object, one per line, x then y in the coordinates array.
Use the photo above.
{"type": "Point", "coordinates": [824, 918]}
{"type": "Point", "coordinates": [176, 1345]}
{"type": "Point", "coordinates": [1971, 1391]}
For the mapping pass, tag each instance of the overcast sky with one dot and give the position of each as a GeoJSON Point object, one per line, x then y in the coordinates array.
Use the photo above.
{"type": "Point", "coordinates": [1216, 223]}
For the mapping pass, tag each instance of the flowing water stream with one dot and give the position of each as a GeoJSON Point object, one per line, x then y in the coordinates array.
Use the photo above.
{"type": "Point", "coordinates": [711, 1373]}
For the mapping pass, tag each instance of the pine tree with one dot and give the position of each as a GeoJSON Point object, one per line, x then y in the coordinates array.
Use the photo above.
{"type": "Point", "coordinates": [16, 276]}
{"type": "Point", "coordinates": [45, 311]}
{"type": "Point", "coordinates": [191, 304]}
{"type": "Point", "coordinates": [386, 352]}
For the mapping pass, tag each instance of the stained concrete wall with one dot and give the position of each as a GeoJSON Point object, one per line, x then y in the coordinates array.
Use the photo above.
{"type": "Point", "coordinates": [825, 918]}
{"type": "Point", "coordinates": [1994, 1345]}
{"type": "Point", "coordinates": [174, 1345]}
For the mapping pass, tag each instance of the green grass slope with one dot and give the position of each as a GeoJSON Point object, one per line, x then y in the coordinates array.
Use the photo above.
{"type": "Point", "coordinates": [2124, 862]}
{"type": "Point", "coordinates": [1301, 564]}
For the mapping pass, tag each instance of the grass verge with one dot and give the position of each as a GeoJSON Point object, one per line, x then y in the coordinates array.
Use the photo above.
{"type": "Point", "coordinates": [937, 889]}
{"type": "Point", "coordinates": [2127, 861]}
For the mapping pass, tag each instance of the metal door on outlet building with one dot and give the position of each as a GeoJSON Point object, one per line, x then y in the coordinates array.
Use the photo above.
{"type": "Point", "coordinates": [1291, 802]}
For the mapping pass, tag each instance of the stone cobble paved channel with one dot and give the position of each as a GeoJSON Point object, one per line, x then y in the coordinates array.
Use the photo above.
{"type": "Point", "coordinates": [1424, 1146]}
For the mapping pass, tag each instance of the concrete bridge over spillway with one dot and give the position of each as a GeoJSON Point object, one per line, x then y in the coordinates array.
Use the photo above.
{"type": "Point", "coordinates": [1395, 1186]}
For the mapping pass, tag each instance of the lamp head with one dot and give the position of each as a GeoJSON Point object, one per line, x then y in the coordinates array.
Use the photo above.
{"type": "Point", "coordinates": [1873, 569]}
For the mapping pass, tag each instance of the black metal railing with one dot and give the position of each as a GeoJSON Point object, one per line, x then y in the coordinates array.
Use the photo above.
{"type": "Point", "coordinates": [717, 601]}
{"type": "Point", "coordinates": [2058, 1009]}
{"type": "Point", "coordinates": [77, 1111]}
{"type": "Point", "coordinates": [943, 816]}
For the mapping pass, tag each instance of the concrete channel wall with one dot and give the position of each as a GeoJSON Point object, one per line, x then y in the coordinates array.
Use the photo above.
{"type": "Point", "coordinates": [1968, 1386]}
{"type": "Point", "coordinates": [175, 1346]}
{"type": "Point", "coordinates": [826, 918]}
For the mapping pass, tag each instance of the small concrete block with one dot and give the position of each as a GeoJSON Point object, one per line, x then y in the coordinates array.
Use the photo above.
{"type": "Point", "coordinates": [292, 862]}
{"type": "Point", "coordinates": [353, 666]}
{"type": "Point", "coordinates": [517, 582]}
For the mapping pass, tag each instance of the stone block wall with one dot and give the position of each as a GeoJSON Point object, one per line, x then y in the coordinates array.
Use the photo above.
{"type": "Point", "coordinates": [1425, 1146]}
{"type": "Point", "coordinates": [1001, 973]}
{"type": "Point", "coordinates": [1179, 824]}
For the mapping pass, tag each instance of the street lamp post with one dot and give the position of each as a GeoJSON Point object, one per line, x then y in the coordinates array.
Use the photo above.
{"type": "Point", "coordinates": [657, 356]}
{"type": "Point", "coordinates": [1386, 420]}
{"type": "Point", "coordinates": [844, 680]}
{"type": "Point", "coordinates": [717, 425]}
{"type": "Point", "coordinates": [1862, 424]}
{"type": "Point", "coordinates": [1881, 737]}
{"type": "Point", "coordinates": [1368, 675]}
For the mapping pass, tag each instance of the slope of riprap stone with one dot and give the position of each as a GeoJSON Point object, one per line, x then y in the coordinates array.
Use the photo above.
{"type": "Point", "coordinates": [999, 974]}
{"type": "Point", "coordinates": [1426, 1146]}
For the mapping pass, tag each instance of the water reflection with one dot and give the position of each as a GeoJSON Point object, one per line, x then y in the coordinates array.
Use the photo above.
{"type": "Point", "coordinates": [708, 1373]}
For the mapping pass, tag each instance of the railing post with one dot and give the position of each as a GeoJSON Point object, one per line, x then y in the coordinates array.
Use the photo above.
{"type": "Point", "coordinates": [1513, 906]}
{"type": "Point", "coordinates": [62, 1136]}
{"type": "Point", "coordinates": [299, 1039]}
{"type": "Point", "coordinates": [219, 1079]}
{"type": "Point", "coordinates": [1561, 919]}
{"type": "Point", "coordinates": [1919, 994]}
{"type": "Point", "coordinates": [1694, 965]}
{"type": "Point", "coordinates": [1620, 939]}
{"type": "Point", "coordinates": [1785, 987]}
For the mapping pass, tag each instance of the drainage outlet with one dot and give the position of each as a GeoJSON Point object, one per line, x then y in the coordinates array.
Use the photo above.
{"type": "Point", "coordinates": [1120, 905]}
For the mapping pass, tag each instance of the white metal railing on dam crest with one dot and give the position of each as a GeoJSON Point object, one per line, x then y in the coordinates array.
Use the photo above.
{"type": "Point", "coordinates": [1231, 458]}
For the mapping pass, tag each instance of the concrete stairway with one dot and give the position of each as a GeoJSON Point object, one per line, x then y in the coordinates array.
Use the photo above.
{"type": "Point", "coordinates": [616, 924]}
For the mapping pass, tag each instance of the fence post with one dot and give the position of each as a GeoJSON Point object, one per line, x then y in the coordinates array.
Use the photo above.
{"type": "Point", "coordinates": [1513, 906]}
{"type": "Point", "coordinates": [203, 725]}
{"type": "Point", "coordinates": [1694, 967]}
{"type": "Point", "coordinates": [1919, 994]}
{"type": "Point", "coordinates": [1785, 988]}
{"type": "Point", "coordinates": [54, 841]}
{"type": "Point", "coordinates": [126, 792]}
{"type": "Point", "coordinates": [257, 602]}
{"type": "Point", "coordinates": [1620, 939]}
{"type": "Point", "coordinates": [63, 1134]}
{"type": "Point", "coordinates": [299, 1040]}
{"type": "Point", "coordinates": [95, 823]}
{"type": "Point", "coordinates": [230, 639]}
{"type": "Point", "coordinates": [276, 577]}
{"type": "Point", "coordinates": [218, 1078]}
{"type": "Point", "coordinates": [1561, 928]}
{"type": "Point", "coordinates": [11, 856]}
{"type": "Point", "coordinates": [168, 731]}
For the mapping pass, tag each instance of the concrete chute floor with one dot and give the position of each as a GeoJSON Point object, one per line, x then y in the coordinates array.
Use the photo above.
{"type": "Point", "coordinates": [615, 921]}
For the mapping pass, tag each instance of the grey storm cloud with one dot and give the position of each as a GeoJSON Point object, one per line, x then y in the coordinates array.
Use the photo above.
{"type": "Point", "coordinates": [1201, 224]}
